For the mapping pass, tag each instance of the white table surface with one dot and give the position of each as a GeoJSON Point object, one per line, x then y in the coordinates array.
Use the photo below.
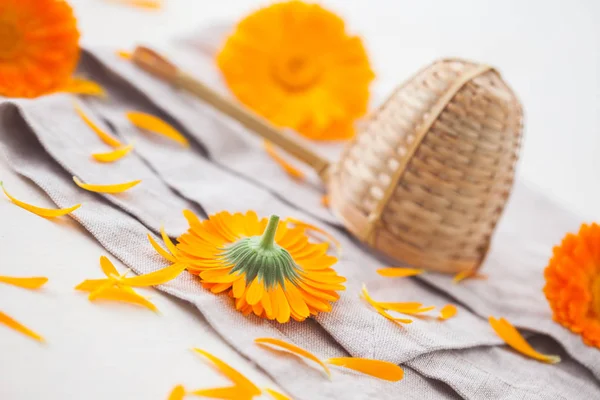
{"type": "Point", "coordinates": [549, 51]}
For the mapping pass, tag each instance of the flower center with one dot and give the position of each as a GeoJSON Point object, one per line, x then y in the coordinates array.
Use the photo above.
{"type": "Point", "coordinates": [296, 72]}
{"type": "Point", "coordinates": [260, 257]}
{"type": "Point", "coordinates": [596, 297]}
{"type": "Point", "coordinates": [10, 38]}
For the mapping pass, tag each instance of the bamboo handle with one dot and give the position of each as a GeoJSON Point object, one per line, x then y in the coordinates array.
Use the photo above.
{"type": "Point", "coordinates": [154, 63]}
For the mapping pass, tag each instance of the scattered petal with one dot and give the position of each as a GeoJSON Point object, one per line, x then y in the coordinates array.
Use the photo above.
{"type": "Point", "coordinates": [17, 326]}
{"type": "Point", "coordinates": [314, 228]}
{"type": "Point", "coordinates": [160, 250]}
{"type": "Point", "coordinates": [104, 136]}
{"type": "Point", "coordinates": [178, 393]}
{"type": "Point", "coordinates": [124, 54]}
{"type": "Point", "coordinates": [286, 166]}
{"type": "Point", "coordinates": [154, 124]}
{"type": "Point", "coordinates": [325, 201]}
{"type": "Point", "coordinates": [294, 350]}
{"type": "Point", "coordinates": [225, 393]}
{"type": "Point", "coordinates": [26, 283]}
{"type": "Point", "coordinates": [114, 155]}
{"type": "Point", "coordinates": [83, 86]}
{"type": "Point", "coordinates": [380, 310]}
{"type": "Point", "coordinates": [513, 338]}
{"type": "Point", "coordinates": [108, 267]}
{"type": "Point", "coordinates": [240, 381]}
{"type": "Point", "coordinates": [448, 311]}
{"type": "Point", "coordinates": [42, 212]}
{"type": "Point", "coordinates": [380, 369]}
{"type": "Point", "coordinates": [396, 272]}
{"type": "Point", "coordinates": [276, 395]}
{"type": "Point", "coordinates": [125, 295]}
{"type": "Point", "coordinates": [155, 278]}
{"type": "Point", "coordinates": [146, 4]}
{"type": "Point", "coordinates": [468, 274]}
{"type": "Point", "coordinates": [170, 245]}
{"type": "Point", "coordinates": [114, 188]}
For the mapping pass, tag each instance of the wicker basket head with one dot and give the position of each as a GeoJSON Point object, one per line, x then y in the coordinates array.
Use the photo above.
{"type": "Point", "coordinates": [427, 178]}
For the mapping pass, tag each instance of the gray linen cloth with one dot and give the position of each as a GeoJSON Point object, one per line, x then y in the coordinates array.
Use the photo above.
{"type": "Point", "coordinates": [227, 169]}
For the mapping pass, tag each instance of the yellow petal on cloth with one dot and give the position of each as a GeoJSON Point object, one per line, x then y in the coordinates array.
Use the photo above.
{"type": "Point", "coordinates": [467, 274]}
{"type": "Point", "coordinates": [157, 277]}
{"type": "Point", "coordinates": [154, 124]}
{"type": "Point", "coordinates": [145, 4]}
{"type": "Point", "coordinates": [513, 338]}
{"type": "Point", "coordinates": [113, 188]}
{"type": "Point", "coordinates": [241, 382]}
{"type": "Point", "coordinates": [448, 311]}
{"type": "Point", "coordinates": [104, 136]}
{"type": "Point", "coordinates": [160, 250]}
{"type": "Point", "coordinates": [125, 295]}
{"type": "Point", "coordinates": [286, 166]}
{"type": "Point", "coordinates": [380, 369]}
{"type": "Point", "coordinates": [405, 309]}
{"type": "Point", "coordinates": [25, 283]}
{"type": "Point", "coordinates": [114, 155]}
{"type": "Point", "coordinates": [325, 200]}
{"type": "Point", "coordinates": [376, 305]}
{"type": "Point", "coordinates": [42, 212]}
{"type": "Point", "coordinates": [170, 245]}
{"type": "Point", "coordinates": [83, 86]}
{"type": "Point", "coordinates": [280, 344]}
{"type": "Point", "coordinates": [225, 393]}
{"type": "Point", "coordinates": [276, 395]}
{"type": "Point", "coordinates": [178, 393]}
{"type": "Point", "coordinates": [394, 272]}
{"type": "Point", "coordinates": [17, 326]}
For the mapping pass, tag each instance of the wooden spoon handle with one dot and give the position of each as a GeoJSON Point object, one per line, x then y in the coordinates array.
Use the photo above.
{"type": "Point", "coordinates": [157, 65]}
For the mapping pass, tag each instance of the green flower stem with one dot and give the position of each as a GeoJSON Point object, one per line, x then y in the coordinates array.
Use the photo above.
{"type": "Point", "coordinates": [268, 237]}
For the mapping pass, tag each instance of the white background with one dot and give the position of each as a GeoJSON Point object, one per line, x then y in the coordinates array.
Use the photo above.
{"type": "Point", "coordinates": [548, 51]}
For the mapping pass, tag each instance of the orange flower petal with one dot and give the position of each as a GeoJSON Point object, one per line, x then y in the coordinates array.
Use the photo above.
{"type": "Point", "coordinates": [280, 344]}
{"type": "Point", "coordinates": [276, 395]}
{"type": "Point", "coordinates": [113, 188]}
{"type": "Point", "coordinates": [448, 311]}
{"type": "Point", "coordinates": [156, 278]}
{"type": "Point", "coordinates": [26, 283]}
{"type": "Point", "coordinates": [83, 86]}
{"type": "Point", "coordinates": [178, 393]}
{"type": "Point", "coordinates": [160, 250]}
{"type": "Point", "coordinates": [380, 369]}
{"type": "Point", "coordinates": [168, 241]}
{"type": "Point", "coordinates": [154, 124]}
{"type": "Point", "coordinates": [380, 310]}
{"type": "Point", "coordinates": [108, 267]}
{"type": "Point", "coordinates": [90, 285]}
{"type": "Point", "coordinates": [42, 212]}
{"type": "Point", "coordinates": [227, 393]}
{"type": "Point", "coordinates": [467, 274]}
{"type": "Point", "coordinates": [395, 272]}
{"type": "Point", "coordinates": [286, 166]}
{"type": "Point", "coordinates": [125, 296]}
{"type": "Point", "coordinates": [513, 338]}
{"type": "Point", "coordinates": [114, 155]}
{"type": "Point", "coordinates": [237, 378]}
{"type": "Point", "coordinates": [314, 228]}
{"type": "Point", "coordinates": [104, 136]}
{"type": "Point", "coordinates": [17, 326]}
{"type": "Point", "coordinates": [145, 4]}
{"type": "Point", "coordinates": [325, 201]}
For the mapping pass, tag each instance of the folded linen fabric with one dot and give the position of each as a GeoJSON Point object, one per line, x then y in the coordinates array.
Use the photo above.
{"type": "Point", "coordinates": [228, 170]}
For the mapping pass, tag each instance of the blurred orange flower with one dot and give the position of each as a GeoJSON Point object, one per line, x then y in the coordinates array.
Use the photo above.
{"type": "Point", "coordinates": [39, 46]}
{"type": "Point", "coordinates": [573, 283]}
{"type": "Point", "coordinates": [294, 64]}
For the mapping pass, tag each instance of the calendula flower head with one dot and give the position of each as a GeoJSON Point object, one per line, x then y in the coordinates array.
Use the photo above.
{"type": "Point", "coordinates": [573, 283]}
{"type": "Point", "coordinates": [270, 269]}
{"type": "Point", "coordinates": [39, 46]}
{"type": "Point", "coordinates": [295, 64]}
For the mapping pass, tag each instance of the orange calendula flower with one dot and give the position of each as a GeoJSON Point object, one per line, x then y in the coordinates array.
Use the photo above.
{"type": "Point", "coordinates": [295, 64]}
{"type": "Point", "coordinates": [39, 46]}
{"type": "Point", "coordinates": [268, 268]}
{"type": "Point", "coordinates": [513, 338]}
{"type": "Point", "coordinates": [573, 283]}
{"type": "Point", "coordinates": [377, 368]}
{"type": "Point", "coordinates": [42, 212]}
{"type": "Point", "coordinates": [111, 188]}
